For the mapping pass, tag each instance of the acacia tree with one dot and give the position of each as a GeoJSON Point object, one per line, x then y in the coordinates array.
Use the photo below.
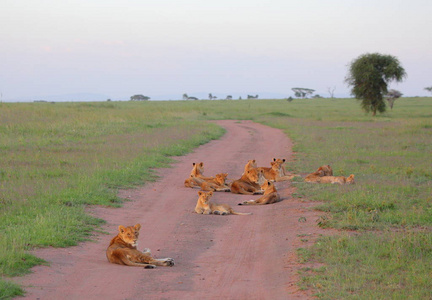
{"type": "Point", "coordinates": [302, 92]}
{"type": "Point", "coordinates": [429, 89]}
{"type": "Point", "coordinates": [369, 75]}
{"type": "Point", "coordinates": [391, 97]}
{"type": "Point", "coordinates": [139, 97]}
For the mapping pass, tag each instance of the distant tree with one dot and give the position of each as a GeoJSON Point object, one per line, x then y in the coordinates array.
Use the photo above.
{"type": "Point", "coordinates": [252, 96]}
{"type": "Point", "coordinates": [290, 99]}
{"type": "Point", "coordinates": [229, 97]}
{"type": "Point", "coordinates": [369, 75]}
{"type": "Point", "coordinates": [139, 98]}
{"type": "Point", "coordinates": [331, 91]}
{"type": "Point", "coordinates": [192, 98]}
{"type": "Point", "coordinates": [211, 97]}
{"type": "Point", "coordinates": [185, 96]}
{"type": "Point", "coordinates": [240, 98]}
{"type": "Point", "coordinates": [302, 92]}
{"type": "Point", "coordinates": [108, 99]}
{"type": "Point", "coordinates": [429, 89]}
{"type": "Point", "coordinates": [391, 97]}
{"type": "Point", "coordinates": [317, 96]}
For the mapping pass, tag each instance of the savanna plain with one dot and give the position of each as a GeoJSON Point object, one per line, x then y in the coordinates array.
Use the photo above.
{"type": "Point", "coordinates": [56, 159]}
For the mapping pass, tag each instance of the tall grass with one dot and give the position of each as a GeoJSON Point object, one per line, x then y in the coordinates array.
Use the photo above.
{"type": "Point", "coordinates": [57, 158]}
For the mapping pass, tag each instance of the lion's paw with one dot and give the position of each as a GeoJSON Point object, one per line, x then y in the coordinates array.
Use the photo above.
{"type": "Point", "coordinates": [149, 267]}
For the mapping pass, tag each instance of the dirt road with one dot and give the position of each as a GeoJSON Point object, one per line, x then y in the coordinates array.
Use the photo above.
{"type": "Point", "coordinates": [216, 257]}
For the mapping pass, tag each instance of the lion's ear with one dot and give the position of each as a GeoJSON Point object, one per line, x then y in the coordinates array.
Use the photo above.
{"type": "Point", "coordinates": [137, 226]}
{"type": "Point", "coordinates": [210, 193]}
{"type": "Point", "coordinates": [274, 159]}
{"type": "Point", "coordinates": [268, 183]}
{"type": "Point", "coordinates": [201, 164]}
{"type": "Point", "coordinates": [193, 164]}
{"type": "Point", "coordinates": [283, 160]}
{"type": "Point", "coordinates": [200, 193]}
{"type": "Point", "coordinates": [121, 228]}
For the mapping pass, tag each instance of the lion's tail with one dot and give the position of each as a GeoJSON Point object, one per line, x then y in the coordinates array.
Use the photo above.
{"type": "Point", "coordinates": [241, 214]}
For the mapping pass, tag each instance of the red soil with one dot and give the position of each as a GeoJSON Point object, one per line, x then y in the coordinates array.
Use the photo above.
{"type": "Point", "coordinates": [216, 257]}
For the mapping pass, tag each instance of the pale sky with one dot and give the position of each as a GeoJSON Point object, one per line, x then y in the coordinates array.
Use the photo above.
{"type": "Point", "coordinates": [164, 48]}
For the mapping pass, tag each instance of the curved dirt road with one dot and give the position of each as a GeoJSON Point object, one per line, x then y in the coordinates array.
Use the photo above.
{"type": "Point", "coordinates": [217, 257]}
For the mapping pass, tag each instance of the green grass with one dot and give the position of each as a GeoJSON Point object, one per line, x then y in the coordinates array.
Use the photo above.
{"type": "Point", "coordinates": [55, 159]}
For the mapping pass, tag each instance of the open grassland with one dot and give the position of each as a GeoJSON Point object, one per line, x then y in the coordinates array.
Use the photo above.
{"type": "Point", "coordinates": [58, 158]}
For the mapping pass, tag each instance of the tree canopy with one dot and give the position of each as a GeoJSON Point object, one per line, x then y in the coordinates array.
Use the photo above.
{"type": "Point", "coordinates": [369, 76]}
{"type": "Point", "coordinates": [139, 98]}
{"type": "Point", "coordinates": [302, 92]}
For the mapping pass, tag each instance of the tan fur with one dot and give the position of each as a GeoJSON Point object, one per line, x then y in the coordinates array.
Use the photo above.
{"type": "Point", "coordinates": [327, 169]}
{"type": "Point", "coordinates": [274, 172]}
{"type": "Point", "coordinates": [218, 184]}
{"type": "Point", "coordinates": [248, 183]}
{"type": "Point", "coordinates": [251, 164]}
{"type": "Point", "coordinates": [204, 206]}
{"type": "Point", "coordinates": [337, 179]}
{"type": "Point", "coordinates": [270, 195]}
{"type": "Point", "coordinates": [315, 176]}
{"type": "Point", "coordinates": [281, 161]}
{"type": "Point", "coordinates": [123, 250]}
{"type": "Point", "coordinates": [324, 170]}
{"type": "Point", "coordinates": [197, 172]}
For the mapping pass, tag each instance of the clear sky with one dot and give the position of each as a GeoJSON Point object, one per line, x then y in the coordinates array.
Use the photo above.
{"type": "Point", "coordinates": [164, 48]}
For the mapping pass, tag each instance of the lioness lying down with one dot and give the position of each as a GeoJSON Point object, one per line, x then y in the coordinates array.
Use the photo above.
{"type": "Point", "coordinates": [123, 250]}
{"type": "Point", "coordinates": [205, 207]}
{"type": "Point", "coordinates": [270, 195]}
{"type": "Point", "coordinates": [249, 182]}
{"type": "Point", "coordinates": [274, 172]}
{"type": "Point", "coordinates": [216, 184]}
{"type": "Point", "coordinates": [337, 179]}
{"type": "Point", "coordinates": [324, 170]}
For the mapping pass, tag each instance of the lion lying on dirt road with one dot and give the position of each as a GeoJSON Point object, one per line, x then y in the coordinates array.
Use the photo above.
{"type": "Point", "coordinates": [217, 184]}
{"type": "Point", "coordinates": [123, 250]}
{"type": "Point", "coordinates": [205, 207]}
{"type": "Point", "coordinates": [249, 183]}
{"type": "Point", "coordinates": [270, 195]}
{"type": "Point", "coordinates": [274, 172]}
{"type": "Point", "coordinates": [281, 161]}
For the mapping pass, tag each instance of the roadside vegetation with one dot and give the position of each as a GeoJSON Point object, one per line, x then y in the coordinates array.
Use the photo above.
{"type": "Point", "coordinates": [56, 159]}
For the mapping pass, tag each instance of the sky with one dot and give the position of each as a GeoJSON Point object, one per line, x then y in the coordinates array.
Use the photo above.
{"type": "Point", "coordinates": [52, 49]}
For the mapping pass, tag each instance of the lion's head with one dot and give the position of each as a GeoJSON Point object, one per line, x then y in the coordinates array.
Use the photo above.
{"type": "Point", "coordinates": [220, 178]}
{"type": "Point", "coordinates": [198, 169]}
{"type": "Point", "coordinates": [350, 179]}
{"type": "Point", "coordinates": [204, 197]}
{"type": "Point", "coordinates": [129, 234]}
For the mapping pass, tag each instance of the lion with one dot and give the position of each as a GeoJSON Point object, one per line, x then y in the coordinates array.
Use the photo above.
{"type": "Point", "coordinates": [273, 173]}
{"type": "Point", "coordinates": [249, 183]}
{"type": "Point", "coordinates": [270, 195]}
{"type": "Point", "coordinates": [337, 179]}
{"type": "Point", "coordinates": [324, 170]}
{"type": "Point", "coordinates": [198, 170]}
{"type": "Point", "coordinates": [281, 161]}
{"type": "Point", "coordinates": [123, 250]}
{"type": "Point", "coordinates": [205, 207]}
{"type": "Point", "coordinates": [217, 184]}
{"type": "Point", "coordinates": [251, 164]}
